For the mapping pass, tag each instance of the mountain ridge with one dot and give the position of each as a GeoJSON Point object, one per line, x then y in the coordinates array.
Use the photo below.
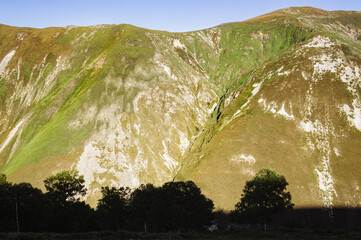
{"type": "Point", "coordinates": [286, 11]}
{"type": "Point", "coordinates": [126, 105]}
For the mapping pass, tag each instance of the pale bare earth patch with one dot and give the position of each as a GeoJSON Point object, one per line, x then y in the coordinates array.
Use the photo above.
{"type": "Point", "coordinates": [247, 162]}
{"type": "Point", "coordinates": [320, 42]}
{"type": "Point", "coordinates": [353, 114]}
{"type": "Point", "coordinates": [6, 61]}
{"type": "Point", "coordinates": [11, 135]}
{"type": "Point", "coordinates": [177, 44]}
{"type": "Point", "coordinates": [244, 158]}
{"type": "Point", "coordinates": [15, 132]}
{"type": "Point", "coordinates": [272, 107]}
{"type": "Point", "coordinates": [20, 36]}
{"type": "Point", "coordinates": [281, 72]}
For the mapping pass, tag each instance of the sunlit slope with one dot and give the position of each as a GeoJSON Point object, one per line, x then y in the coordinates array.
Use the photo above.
{"type": "Point", "coordinates": [126, 105]}
{"type": "Point", "coordinates": [300, 114]}
{"type": "Point", "coordinates": [119, 106]}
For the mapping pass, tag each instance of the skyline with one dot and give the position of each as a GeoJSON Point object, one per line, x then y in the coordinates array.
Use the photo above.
{"type": "Point", "coordinates": [173, 16]}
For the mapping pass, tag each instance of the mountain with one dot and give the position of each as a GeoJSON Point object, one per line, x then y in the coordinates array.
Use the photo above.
{"type": "Point", "coordinates": [126, 105]}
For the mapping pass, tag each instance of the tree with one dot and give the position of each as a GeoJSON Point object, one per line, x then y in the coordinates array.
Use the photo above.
{"type": "Point", "coordinates": [63, 211]}
{"type": "Point", "coordinates": [175, 206]}
{"type": "Point", "coordinates": [185, 207]}
{"type": "Point", "coordinates": [112, 208]}
{"type": "Point", "coordinates": [263, 197]}
{"type": "Point", "coordinates": [28, 203]}
{"type": "Point", "coordinates": [20, 206]}
{"type": "Point", "coordinates": [142, 207]}
{"type": "Point", "coordinates": [7, 212]}
{"type": "Point", "coordinates": [65, 186]}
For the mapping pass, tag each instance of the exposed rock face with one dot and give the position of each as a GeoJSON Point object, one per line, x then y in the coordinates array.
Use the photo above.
{"type": "Point", "coordinates": [126, 105]}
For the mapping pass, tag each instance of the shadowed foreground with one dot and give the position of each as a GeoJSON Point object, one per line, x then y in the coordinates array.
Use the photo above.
{"type": "Point", "coordinates": [337, 218]}
{"type": "Point", "coordinates": [307, 223]}
{"type": "Point", "coordinates": [244, 234]}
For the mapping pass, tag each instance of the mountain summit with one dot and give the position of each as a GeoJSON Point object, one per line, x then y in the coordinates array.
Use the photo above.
{"type": "Point", "coordinates": [125, 105]}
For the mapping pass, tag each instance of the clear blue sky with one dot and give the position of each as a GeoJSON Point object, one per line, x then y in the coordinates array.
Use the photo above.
{"type": "Point", "coordinates": [169, 15]}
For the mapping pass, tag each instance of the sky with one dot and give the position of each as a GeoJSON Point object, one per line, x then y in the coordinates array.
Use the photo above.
{"type": "Point", "coordinates": [168, 15]}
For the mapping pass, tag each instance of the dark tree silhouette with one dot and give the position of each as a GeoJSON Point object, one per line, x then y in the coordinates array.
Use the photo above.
{"type": "Point", "coordinates": [29, 202]}
{"type": "Point", "coordinates": [143, 207]}
{"type": "Point", "coordinates": [176, 206]}
{"type": "Point", "coordinates": [112, 208]}
{"type": "Point", "coordinates": [263, 197]}
{"type": "Point", "coordinates": [20, 207]}
{"type": "Point", "coordinates": [7, 207]}
{"type": "Point", "coordinates": [185, 207]}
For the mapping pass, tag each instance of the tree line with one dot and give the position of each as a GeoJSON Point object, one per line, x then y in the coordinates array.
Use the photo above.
{"type": "Point", "coordinates": [174, 206]}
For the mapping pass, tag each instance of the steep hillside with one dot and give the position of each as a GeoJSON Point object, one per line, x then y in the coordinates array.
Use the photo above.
{"type": "Point", "coordinates": [120, 104]}
{"type": "Point", "coordinates": [126, 105]}
{"type": "Point", "coordinates": [300, 113]}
